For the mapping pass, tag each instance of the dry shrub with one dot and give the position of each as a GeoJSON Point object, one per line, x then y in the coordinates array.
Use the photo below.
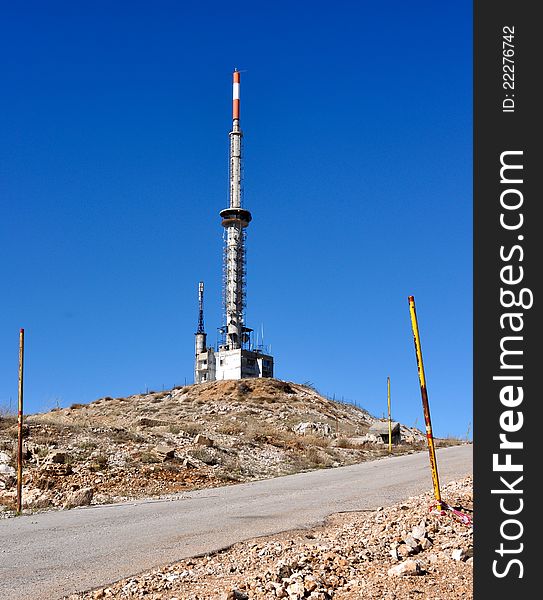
{"type": "Point", "coordinates": [205, 455]}
{"type": "Point", "coordinates": [87, 445]}
{"type": "Point", "coordinates": [312, 458]}
{"type": "Point", "coordinates": [256, 431]}
{"type": "Point", "coordinates": [448, 441]}
{"type": "Point", "coordinates": [243, 388]}
{"type": "Point", "coordinates": [121, 436]}
{"type": "Point", "coordinates": [285, 387]}
{"type": "Point", "coordinates": [229, 427]}
{"type": "Point", "coordinates": [315, 440]}
{"type": "Point", "coordinates": [191, 427]}
{"type": "Point", "coordinates": [149, 457]}
{"type": "Point", "coordinates": [230, 469]}
{"type": "Point", "coordinates": [7, 419]}
{"type": "Point", "coordinates": [259, 432]}
{"type": "Point", "coordinates": [159, 397]}
{"type": "Point", "coordinates": [347, 443]}
{"type": "Point", "coordinates": [99, 463]}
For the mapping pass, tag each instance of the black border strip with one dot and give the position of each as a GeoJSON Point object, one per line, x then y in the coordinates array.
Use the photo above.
{"type": "Point", "coordinates": [498, 572]}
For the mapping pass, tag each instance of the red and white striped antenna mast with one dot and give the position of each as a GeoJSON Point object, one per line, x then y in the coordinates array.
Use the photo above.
{"type": "Point", "coordinates": [235, 219]}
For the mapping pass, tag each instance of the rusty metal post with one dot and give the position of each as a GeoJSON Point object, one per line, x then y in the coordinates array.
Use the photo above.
{"type": "Point", "coordinates": [389, 418]}
{"type": "Point", "coordinates": [20, 423]}
{"type": "Point", "coordinates": [425, 405]}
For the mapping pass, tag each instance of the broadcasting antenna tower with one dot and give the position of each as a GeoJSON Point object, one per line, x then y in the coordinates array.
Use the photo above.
{"type": "Point", "coordinates": [234, 357]}
{"type": "Point", "coordinates": [234, 220]}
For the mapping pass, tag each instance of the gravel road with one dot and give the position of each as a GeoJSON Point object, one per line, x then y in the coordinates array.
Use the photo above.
{"type": "Point", "coordinates": [46, 556]}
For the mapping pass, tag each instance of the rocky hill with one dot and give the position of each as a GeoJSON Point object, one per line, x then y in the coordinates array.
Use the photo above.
{"type": "Point", "coordinates": [189, 437]}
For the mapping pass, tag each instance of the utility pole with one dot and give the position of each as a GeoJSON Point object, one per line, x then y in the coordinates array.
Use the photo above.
{"type": "Point", "coordinates": [20, 423]}
{"type": "Point", "coordinates": [389, 418]}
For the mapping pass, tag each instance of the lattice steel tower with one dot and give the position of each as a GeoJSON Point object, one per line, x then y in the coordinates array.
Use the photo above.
{"type": "Point", "coordinates": [234, 220]}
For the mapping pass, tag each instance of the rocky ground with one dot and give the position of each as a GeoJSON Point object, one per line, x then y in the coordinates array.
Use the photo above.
{"type": "Point", "coordinates": [400, 552]}
{"type": "Point", "coordinates": [186, 438]}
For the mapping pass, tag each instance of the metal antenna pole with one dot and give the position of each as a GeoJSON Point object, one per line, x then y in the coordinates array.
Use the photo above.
{"type": "Point", "coordinates": [425, 405]}
{"type": "Point", "coordinates": [20, 423]}
{"type": "Point", "coordinates": [389, 419]}
{"type": "Point", "coordinates": [200, 308]}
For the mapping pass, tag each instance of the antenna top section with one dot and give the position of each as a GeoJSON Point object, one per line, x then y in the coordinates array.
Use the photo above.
{"type": "Point", "coordinates": [235, 94]}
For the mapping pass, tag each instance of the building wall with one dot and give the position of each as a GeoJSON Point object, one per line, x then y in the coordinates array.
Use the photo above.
{"type": "Point", "coordinates": [228, 364]}
{"type": "Point", "coordinates": [231, 364]}
{"type": "Point", "coordinates": [205, 367]}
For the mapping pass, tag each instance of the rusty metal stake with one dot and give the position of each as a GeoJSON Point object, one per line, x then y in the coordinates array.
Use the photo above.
{"type": "Point", "coordinates": [389, 418]}
{"type": "Point", "coordinates": [20, 424]}
{"type": "Point", "coordinates": [425, 405]}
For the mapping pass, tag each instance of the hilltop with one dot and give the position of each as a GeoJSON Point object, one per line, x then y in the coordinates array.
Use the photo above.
{"type": "Point", "coordinates": [189, 437]}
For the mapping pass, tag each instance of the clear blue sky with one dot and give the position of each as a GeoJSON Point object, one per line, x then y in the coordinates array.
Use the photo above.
{"type": "Point", "coordinates": [114, 165]}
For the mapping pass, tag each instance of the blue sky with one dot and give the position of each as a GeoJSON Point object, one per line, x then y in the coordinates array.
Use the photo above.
{"type": "Point", "coordinates": [114, 165]}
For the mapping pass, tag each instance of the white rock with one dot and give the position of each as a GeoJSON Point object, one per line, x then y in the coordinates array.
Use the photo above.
{"type": "Point", "coordinates": [316, 428]}
{"type": "Point", "coordinates": [418, 532]}
{"type": "Point", "coordinates": [405, 568]}
{"type": "Point", "coordinates": [82, 497]}
{"type": "Point", "coordinates": [296, 590]}
{"type": "Point", "coordinates": [425, 544]}
{"type": "Point", "coordinates": [412, 542]}
{"type": "Point", "coordinates": [203, 440]}
{"type": "Point", "coordinates": [6, 470]}
{"type": "Point", "coordinates": [458, 554]}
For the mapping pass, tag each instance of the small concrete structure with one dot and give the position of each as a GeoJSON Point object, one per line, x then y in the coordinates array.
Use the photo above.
{"type": "Point", "coordinates": [216, 365]}
{"type": "Point", "coordinates": [380, 431]}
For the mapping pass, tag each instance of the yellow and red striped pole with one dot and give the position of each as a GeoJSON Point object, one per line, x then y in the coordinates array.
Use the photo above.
{"type": "Point", "coordinates": [425, 405]}
{"type": "Point", "coordinates": [235, 95]}
{"type": "Point", "coordinates": [20, 423]}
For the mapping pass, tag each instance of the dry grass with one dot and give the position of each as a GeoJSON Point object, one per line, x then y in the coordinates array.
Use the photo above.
{"type": "Point", "coordinates": [448, 441]}
{"type": "Point", "coordinates": [312, 458]}
{"type": "Point", "coordinates": [8, 417]}
{"type": "Point", "coordinates": [191, 427]}
{"type": "Point", "coordinates": [315, 440]}
{"type": "Point", "coordinates": [230, 427]}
